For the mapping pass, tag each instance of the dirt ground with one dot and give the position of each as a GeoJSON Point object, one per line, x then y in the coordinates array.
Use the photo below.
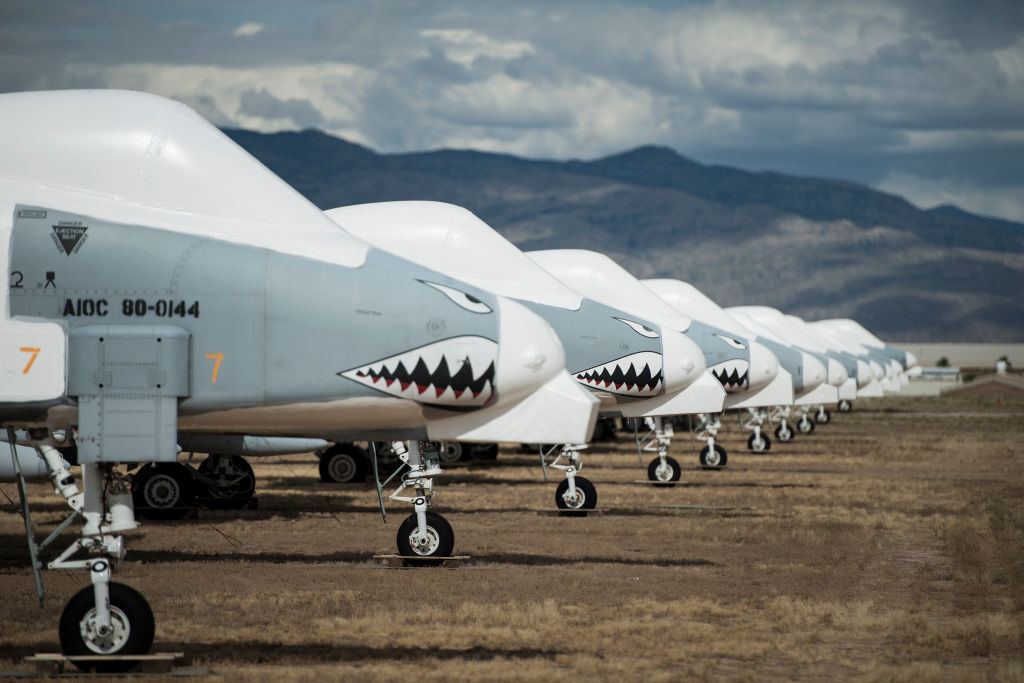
{"type": "Point", "coordinates": [885, 546]}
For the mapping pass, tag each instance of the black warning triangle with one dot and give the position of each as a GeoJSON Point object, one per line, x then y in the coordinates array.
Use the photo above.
{"type": "Point", "coordinates": [69, 236]}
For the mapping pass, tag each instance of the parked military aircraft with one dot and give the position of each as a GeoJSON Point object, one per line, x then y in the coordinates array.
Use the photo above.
{"type": "Point", "coordinates": [630, 363]}
{"type": "Point", "coordinates": [898, 364]}
{"type": "Point", "coordinates": [796, 370]}
{"type": "Point", "coordinates": [161, 281]}
{"type": "Point", "coordinates": [732, 364]}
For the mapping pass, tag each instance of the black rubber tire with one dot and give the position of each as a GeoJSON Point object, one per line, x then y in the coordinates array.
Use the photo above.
{"type": "Point", "coordinates": [236, 478]}
{"type": "Point", "coordinates": [586, 493]}
{"type": "Point", "coordinates": [442, 533]}
{"type": "Point", "coordinates": [163, 491]}
{"type": "Point", "coordinates": [675, 472]}
{"type": "Point", "coordinates": [824, 417]}
{"type": "Point", "coordinates": [716, 462]}
{"type": "Point", "coordinates": [133, 609]}
{"type": "Point", "coordinates": [844, 406]}
{"type": "Point", "coordinates": [450, 452]}
{"type": "Point", "coordinates": [805, 426]}
{"type": "Point", "coordinates": [784, 436]}
{"type": "Point", "coordinates": [343, 463]}
{"type": "Point", "coordinates": [767, 443]}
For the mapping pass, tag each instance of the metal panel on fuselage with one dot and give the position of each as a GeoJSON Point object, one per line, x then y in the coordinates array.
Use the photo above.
{"type": "Point", "coordinates": [266, 327]}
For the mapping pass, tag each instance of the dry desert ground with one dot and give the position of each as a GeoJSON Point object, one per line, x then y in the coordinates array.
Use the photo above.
{"type": "Point", "coordinates": [888, 545]}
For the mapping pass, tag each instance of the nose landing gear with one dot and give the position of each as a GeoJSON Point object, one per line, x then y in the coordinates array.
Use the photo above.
{"type": "Point", "coordinates": [423, 535]}
{"type": "Point", "coordinates": [106, 618]}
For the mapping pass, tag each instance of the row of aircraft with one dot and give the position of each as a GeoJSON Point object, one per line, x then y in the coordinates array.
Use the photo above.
{"type": "Point", "coordinates": [167, 292]}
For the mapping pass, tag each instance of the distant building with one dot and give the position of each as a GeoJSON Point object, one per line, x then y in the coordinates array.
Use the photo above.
{"type": "Point", "coordinates": [932, 381]}
{"type": "Point", "coordinates": [965, 355]}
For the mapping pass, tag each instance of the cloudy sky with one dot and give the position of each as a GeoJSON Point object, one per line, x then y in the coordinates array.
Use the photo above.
{"type": "Point", "coordinates": [924, 98]}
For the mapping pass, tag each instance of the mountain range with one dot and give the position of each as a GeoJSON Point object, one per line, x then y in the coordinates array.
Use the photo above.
{"type": "Point", "coordinates": [814, 247]}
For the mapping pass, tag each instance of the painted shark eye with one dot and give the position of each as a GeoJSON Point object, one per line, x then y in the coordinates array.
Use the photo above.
{"type": "Point", "coordinates": [467, 301]}
{"type": "Point", "coordinates": [734, 343]}
{"type": "Point", "coordinates": [640, 329]}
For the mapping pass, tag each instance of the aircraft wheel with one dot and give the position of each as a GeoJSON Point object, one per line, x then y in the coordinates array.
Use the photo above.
{"type": "Point", "coordinates": [163, 491]}
{"type": "Point", "coordinates": [805, 426]}
{"type": "Point", "coordinates": [665, 474]}
{"type": "Point", "coordinates": [439, 543]}
{"type": "Point", "coordinates": [235, 482]}
{"type": "Point", "coordinates": [131, 634]}
{"type": "Point", "coordinates": [824, 417]}
{"type": "Point", "coordinates": [453, 451]}
{"type": "Point", "coordinates": [715, 460]}
{"type": "Point", "coordinates": [844, 406]}
{"type": "Point", "coordinates": [784, 435]}
{"type": "Point", "coordinates": [343, 463]}
{"type": "Point", "coordinates": [585, 498]}
{"type": "Point", "coordinates": [759, 444]}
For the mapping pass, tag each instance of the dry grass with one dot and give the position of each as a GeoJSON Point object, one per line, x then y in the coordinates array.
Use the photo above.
{"type": "Point", "coordinates": [885, 547]}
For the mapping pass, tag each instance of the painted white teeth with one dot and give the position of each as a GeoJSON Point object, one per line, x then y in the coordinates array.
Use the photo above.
{"type": "Point", "coordinates": [431, 374]}
{"type": "Point", "coordinates": [732, 374]}
{"type": "Point", "coordinates": [638, 374]}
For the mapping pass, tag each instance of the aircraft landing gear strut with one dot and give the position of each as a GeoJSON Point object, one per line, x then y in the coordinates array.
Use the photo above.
{"type": "Point", "coordinates": [783, 432]}
{"type": "Point", "coordinates": [712, 456]}
{"type": "Point", "coordinates": [806, 424]}
{"type": "Point", "coordinates": [758, 441]}
{"type": "Point", "coordinates": [823, 415]}
{"type": "Point", "coordinates": [106, 618]}
{"type": "Point", "coordinates": [574, 492]}
{"type": "Point", "coordinates": [423, 534]}
{"type": "Point", "coordinates": [664, 470]}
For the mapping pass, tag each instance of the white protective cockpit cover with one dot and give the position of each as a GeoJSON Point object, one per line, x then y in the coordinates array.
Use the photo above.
{"type": "Point", "coordinates": [453, 240]}
{"type": "Point", "coordinates": [686, 297]}
{"type": "Point", "coordinates": [828, 341]}
{"type": "Point", "coordinates": [840, 342]}
{"type": "Point", "coordinates": [851, 330]}
{"type": "Point", "coordinates": [599, 278]}
{"type": "Point", "coordinates": [777, 326]}
{"type": "Point", "coordinates": [136, 158]}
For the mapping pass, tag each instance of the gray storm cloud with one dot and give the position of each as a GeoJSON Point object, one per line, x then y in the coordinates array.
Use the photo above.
{"type": "Point", "coordinates": [919, 95]}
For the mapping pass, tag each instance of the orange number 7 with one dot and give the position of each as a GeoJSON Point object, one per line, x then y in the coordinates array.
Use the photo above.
{"type": "Point", "coordinates": [34, 350]}
{"type": "Point", "coordinates": [216, 358]}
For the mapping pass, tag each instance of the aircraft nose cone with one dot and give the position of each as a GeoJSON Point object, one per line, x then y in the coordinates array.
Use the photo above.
{"type": "Point", "coordinates": [911, 360]}
{"type": "Point", "coordinates": [815, 372]}
{"type": "Point", "coordinates": [877, 370]}
{"type": "Point", "coordinates": [864, 374]}
{"type": "Point", "coordinates": [764, 365]}
{"type": "Point", "coordinates": [836, 372]}
{"type": "Point", "coordinates": [529, 351]}
{"type": "Point", "coordinates": [683, 360]}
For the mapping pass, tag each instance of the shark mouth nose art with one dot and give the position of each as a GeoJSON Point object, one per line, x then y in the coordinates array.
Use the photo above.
{"type": "Point", "coordinates": [638, 374]}
{"type": "Point", "coordinates": [733, 374]}
{"type": "Point", "coordinates": [457, 372]}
